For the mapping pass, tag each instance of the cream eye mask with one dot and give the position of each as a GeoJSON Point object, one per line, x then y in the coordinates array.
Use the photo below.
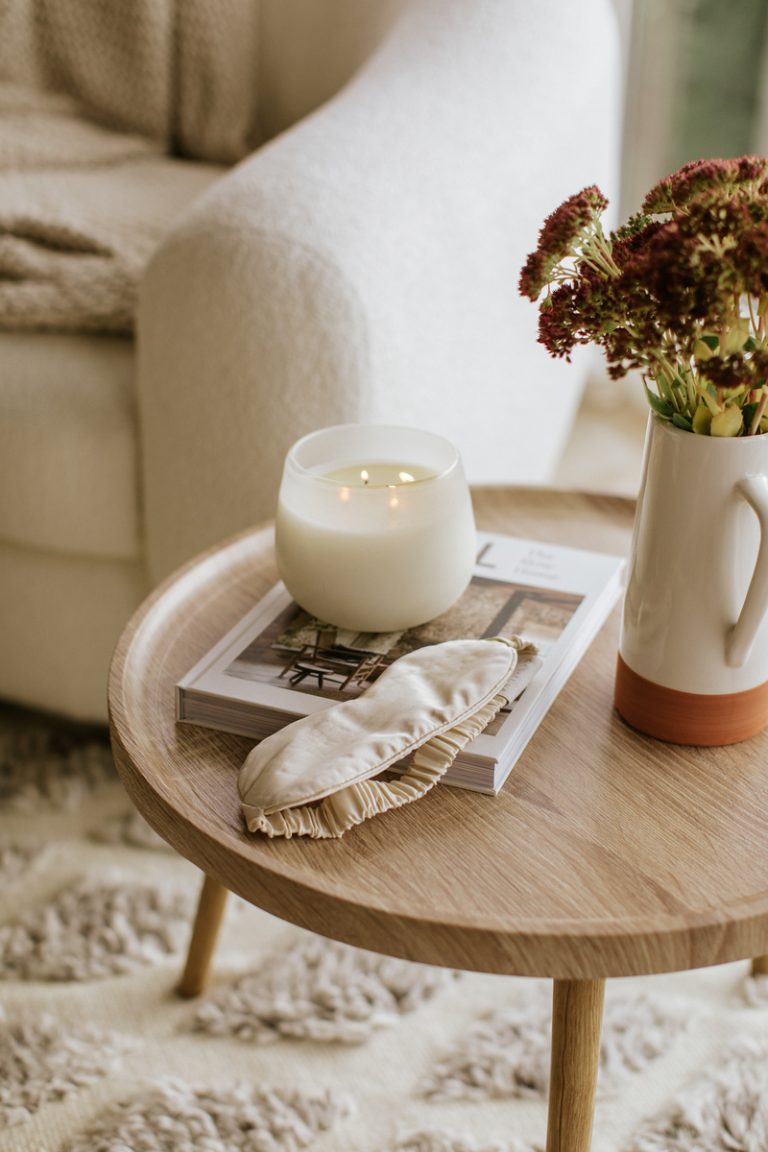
{"type": "Point", "coordinates": [315, 777]}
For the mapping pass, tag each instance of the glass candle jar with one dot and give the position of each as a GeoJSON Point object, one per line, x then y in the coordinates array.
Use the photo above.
{"type": "Point", "coordinates": [374, 529]}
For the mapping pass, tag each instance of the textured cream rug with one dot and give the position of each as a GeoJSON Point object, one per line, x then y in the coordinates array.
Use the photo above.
{"type": "Point", "coordinates": [301, 1042]}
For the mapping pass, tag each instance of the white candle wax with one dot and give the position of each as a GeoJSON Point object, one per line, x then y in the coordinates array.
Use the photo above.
{"type": "Point", "coordinates": [377, 474]}
{"type": "Point", "coordinates": [375, 544]}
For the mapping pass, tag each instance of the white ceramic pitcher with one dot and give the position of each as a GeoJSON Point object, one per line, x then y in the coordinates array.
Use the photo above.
{"type": "Point", "coordinates": [693, 658]}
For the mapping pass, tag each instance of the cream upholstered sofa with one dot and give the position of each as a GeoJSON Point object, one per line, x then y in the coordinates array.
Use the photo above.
{"type": "Point", "coordinates": [360, 264]}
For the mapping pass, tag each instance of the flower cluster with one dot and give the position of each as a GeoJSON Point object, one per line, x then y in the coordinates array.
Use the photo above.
{"type": "Point", "coordinates": [679, 292]}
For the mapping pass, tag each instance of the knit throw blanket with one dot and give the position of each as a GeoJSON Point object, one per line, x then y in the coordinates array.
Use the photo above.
{"type": "Point", "coordinates": [72, 247]}
{"type": "Point", "coordinates": [97, 93]}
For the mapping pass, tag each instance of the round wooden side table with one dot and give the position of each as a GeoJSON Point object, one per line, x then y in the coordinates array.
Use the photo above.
{"type": "Point", "coordinates": [605, 854]}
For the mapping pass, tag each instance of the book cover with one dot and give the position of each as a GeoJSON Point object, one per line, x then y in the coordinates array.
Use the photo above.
{"type": "Point", "coordinates": [279, 663]}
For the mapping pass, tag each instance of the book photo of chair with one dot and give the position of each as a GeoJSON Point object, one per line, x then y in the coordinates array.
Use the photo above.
{"type": "Point", "coordinates": [325, 659]}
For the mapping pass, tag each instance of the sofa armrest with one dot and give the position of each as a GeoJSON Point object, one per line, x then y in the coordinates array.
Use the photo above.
{"type": "Point", "coordinates": [363, 266]}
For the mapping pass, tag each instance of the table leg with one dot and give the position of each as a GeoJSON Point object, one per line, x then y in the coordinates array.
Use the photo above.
{"type": "Point", "coordinates": [760, 966]}
{"type": "Point", "coordinates": [577, 1013]}
{"type": "Point", "coordinates": [210, 909]}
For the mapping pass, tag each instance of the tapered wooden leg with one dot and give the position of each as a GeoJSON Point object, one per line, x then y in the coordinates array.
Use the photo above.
{"type": "Point", "coordinates": [210, 909]}
{"type": "Point", "coordinates": [760, 966]}
{"type": "Point", "coordinates": [577, 1015]}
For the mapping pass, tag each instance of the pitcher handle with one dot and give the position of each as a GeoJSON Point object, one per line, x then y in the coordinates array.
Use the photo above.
{"type": "Point", "coordinates": [742, 635]}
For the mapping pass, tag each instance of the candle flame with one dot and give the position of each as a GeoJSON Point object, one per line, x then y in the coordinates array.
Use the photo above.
{"type": "Point", "coordinates": [344, 494]}
{"type": "Point", "coordinates": [393, 500]}
{"type": "Point", "coordinates": [406, 477]}
{"type": "Point", "coordinates": [364, 475]}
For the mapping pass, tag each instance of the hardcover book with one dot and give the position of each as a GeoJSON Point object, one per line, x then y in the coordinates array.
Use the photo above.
{"type": "Point", "coordinates": [279, 663]}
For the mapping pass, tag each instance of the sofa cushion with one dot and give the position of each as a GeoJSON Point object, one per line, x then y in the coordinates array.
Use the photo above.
{"type": "Point", "coordinates": [61, 618]}
{"type": "Point", "coordinates": [68, 444]}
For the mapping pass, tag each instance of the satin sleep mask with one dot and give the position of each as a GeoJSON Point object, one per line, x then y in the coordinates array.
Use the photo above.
{"type": "Point", "coordinates": [315, 777]}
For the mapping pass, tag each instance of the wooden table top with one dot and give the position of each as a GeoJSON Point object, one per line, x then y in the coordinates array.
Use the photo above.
{"type": "Point", "coordinates": [605, 853]}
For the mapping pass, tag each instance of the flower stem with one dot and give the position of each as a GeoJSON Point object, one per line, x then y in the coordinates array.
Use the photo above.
{"type": "Point", "coordinates": [755, 319]}
{"type": "Point", "coordinates": [755, 421]}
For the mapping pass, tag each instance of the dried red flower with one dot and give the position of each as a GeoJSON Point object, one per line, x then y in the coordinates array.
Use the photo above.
{"type": "Point", "coordinates": [560, 233]}
{"type": "Point", "coordinates": [680, 291]}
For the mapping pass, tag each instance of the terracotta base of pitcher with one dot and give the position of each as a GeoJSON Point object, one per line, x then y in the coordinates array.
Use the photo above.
{"type": "Point", "coordinates": [689, 717]}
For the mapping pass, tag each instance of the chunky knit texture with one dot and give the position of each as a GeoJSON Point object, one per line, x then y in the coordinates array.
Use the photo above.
{"type": "Point", "coordinates": [179, 1117]}
{"type": "Point", "coordinates": [96, 928]}
{"type": "Point", "coordinates": [317, 989]}
{"type": "Point", "coordinates": [43, 1059]}
{"type": "Point", "coordinates": [172, 71]}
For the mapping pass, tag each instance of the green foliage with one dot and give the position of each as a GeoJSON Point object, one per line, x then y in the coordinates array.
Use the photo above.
{"type": "Point", "coordinates": [661, 407]}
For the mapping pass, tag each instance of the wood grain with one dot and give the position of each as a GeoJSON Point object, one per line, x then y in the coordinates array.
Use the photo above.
{"type": "Point", "coordinates": [577, 1016]}
{"type": "Point", "coordinates": [605, 854]}
{"type": "Point", "coordinates": [205, 932]}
